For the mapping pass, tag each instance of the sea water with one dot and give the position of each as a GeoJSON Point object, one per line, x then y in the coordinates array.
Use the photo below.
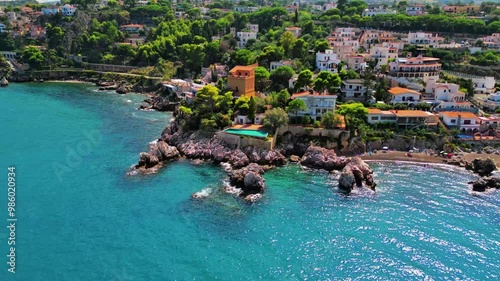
{"type": "Point", "coordinates": [80, 217]}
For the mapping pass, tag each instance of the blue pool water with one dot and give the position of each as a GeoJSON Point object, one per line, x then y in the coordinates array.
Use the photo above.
{"type": "Point", "coordinates": [81, 218]}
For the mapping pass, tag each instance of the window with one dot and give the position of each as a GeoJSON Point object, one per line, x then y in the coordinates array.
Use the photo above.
{"type": "Point", "coordinates": [375, 118]}
{"type": "Point", "coordinates": [453, 121]}
{"type": "Point", "coordinates": [467, 122]}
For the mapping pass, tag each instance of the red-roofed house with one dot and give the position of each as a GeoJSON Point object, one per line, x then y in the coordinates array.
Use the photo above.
{"type": "Point", "coordinates": [466, 122]}
{"type": "Point", "coordinates": [316, 104]}
{"type": "Point", "coordinates": [403, 95]}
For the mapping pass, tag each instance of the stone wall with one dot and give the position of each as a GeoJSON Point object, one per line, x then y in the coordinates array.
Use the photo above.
{"type": "Point", "coordinates": [300, 131]}
{"type": "Point", "coordinates": [242, 142]}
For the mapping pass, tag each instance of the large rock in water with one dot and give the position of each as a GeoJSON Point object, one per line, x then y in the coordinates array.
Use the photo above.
{"type": "Point", "coordinates": [248, 178]}
{"type": "Point", "coordinates": [168, 152]}
{"type": "Point", "coordinates": [148, 160]}
{"type": "Point", "coordinates": [485, 183]}
{"type": "Point", "coordinates": [484, 167]}
{"type": "Point", "coordinates": [354, 174]}
{"type": "Point", "coordinates": [322, 158]}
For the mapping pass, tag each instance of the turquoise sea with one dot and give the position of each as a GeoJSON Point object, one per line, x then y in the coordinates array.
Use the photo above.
{"type": "Point", "coordinates": [81, 218]}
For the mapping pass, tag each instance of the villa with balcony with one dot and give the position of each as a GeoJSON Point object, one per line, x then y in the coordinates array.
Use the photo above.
{"type": "Point", "coordinates": [419, 67]}
{"type": "Point", "coordinates": [466, 122]}
{"type": "Point", "coordinates": [353, 89]}
{"type": "Point", "coordinates": [403, 95]}
{"type": "Point", "coordinates": [316, 104]}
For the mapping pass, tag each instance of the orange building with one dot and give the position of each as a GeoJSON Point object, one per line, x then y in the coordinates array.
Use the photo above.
{"type": "Point", "coordinates": [241, 80]}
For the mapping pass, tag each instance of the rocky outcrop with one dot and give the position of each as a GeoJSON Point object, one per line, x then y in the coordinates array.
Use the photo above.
{"type": "Point", "coordinates": [123, 88]}
{"type": "Point", "coordinates": [150, 162]}
{"type": "Point", "coordinates": [4, 82]}
{"type": "Point", "coordinates": [482, 184]}
{"type": "Point", "coordinates": [322, 158]}
{"type": "Point", "coordinates": [158, 103]}
{"type": "Point", "coordinates": [249, 179]}
{"type": "Point", "coordinates": [354, 174]}
{"type": "Point", "coordinates": [483, 167]}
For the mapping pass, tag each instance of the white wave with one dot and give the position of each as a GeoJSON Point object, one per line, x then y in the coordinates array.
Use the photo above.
{"type": "Point", "coordinates": [129, 101]}
{"type": "Point", "coordinates": [204, 193]}
{"type": "Point", "coordinates": [226, 166]}
{"type": "Point", "coordinates": [228, 188]}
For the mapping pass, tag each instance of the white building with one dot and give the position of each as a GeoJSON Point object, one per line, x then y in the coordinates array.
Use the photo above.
{"type": "Point", "coordinates": [316, 104]}
{"type": "Point", "coordinates": [50, 10]}
{"type": "Point", "coordinates": [466, 122]}
{"type": "Point", "coordinates": [416, 10]}
{"type": "Point", "coordinates": [275, 64]}
{"type": "Point", "coordinates": [419, 67]}
{"type": "Point", "coordinates": [382, 54]}
{"type": "Point", "coordinates": [492, 41]}
{"type": "Point", "coordinates": [377, 10]}
{"type": "Point", "coordinates": [2, 28]}
{"type": "Point", "coordinates": [11, 16]}
{"type": "Point", "coordinates": [355, 62]}
{"type": "Point", "coordinates": [447, 96]}
{"type": "Point", "coordinates": [403, 95]}
{"type": "Point", "coordinates": [245, 9]}
{"type": "Point", "coordinates": [11, 56]}
{"type": "Point", "coordinates": [68, 10]}
{"type": "Point", "coordinates": [327, 60]}
{"type": "Point", "coordinates": [296, 31]}
{"type": "Point", "coordinates": [425, 38]}
{"type": "Point", "coordinates": [244, 37]}
{"type": "Point", "coordinates": [353, 89]}
{"type": "Point", "coordinates": [484, 84]}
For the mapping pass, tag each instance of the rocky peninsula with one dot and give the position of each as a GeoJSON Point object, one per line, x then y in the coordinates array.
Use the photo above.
{"type": "Point", "coordinates": [247, 166]}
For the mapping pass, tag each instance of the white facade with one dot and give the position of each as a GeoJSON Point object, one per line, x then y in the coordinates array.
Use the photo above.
{"type": "Point", "coordinates": [244, 37]}
{"type": "Point", "coordinates": [317, 104]}
{"type": "Point", "coordinates": [424, 38]}
{"type": "Point", "coordinates": [275, 64]}
{"type": "Point", "coordinates": [420, 67]}
{"type": "Point", "coordinates": [253, 27]}
{"type": "Point", "coordinates": [11, 16]}
{"type": "Point", "coordinates": [11, 56]}
{"type": "Point", "coordinates": [370, 12]}
{"type": "Point", "coordinates": [403, 95]}
{"type": "Point", "coordinates": [327, 60]}
{"type": "Point", "coordinates": [467, 122]}
{"type": "Point", "coordinates": [355, 62]}
{"type": "Point", "coordinates": [416, 10]}
{"type": "Point", "coordinates": [68, 10]}
{"type": "Point", "coordinates": [245, 9]}
{"type": "Point", "coordinates": [382, 55]}
{"type": "Point", "coordinates": [50, 10]}
{"type": "Point", "coordinates": [296, 31]}
{"type": "Point", "coordinates": [484, 84]}
{"type": "Point", "coordinates": [353, 89]}
{"type": "Point", "coordinates": [444, 91]}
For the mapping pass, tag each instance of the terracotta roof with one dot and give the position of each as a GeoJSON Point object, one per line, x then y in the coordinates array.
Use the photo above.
{"type": "Point", "coordinates": [307, 93]}
{"type": "Point", "coordinates": [410, 113]}
{"type": "Point", "coordinates": [454, 114]}
{"type": "Point", "coordinates": [293, 28]}
{"type": "Point", "coordinates": [374, 111]}
{"type": "Point", "coordinates": [243, 68]}
{"type": "Point", "coordinates": [400, 91]}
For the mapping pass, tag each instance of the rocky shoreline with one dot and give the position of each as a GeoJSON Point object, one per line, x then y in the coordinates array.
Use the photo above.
{"type": "Point", "coordinates": [246, 166]}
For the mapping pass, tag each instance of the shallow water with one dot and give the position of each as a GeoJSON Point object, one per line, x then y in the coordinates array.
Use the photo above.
{"type": "Point", "coordinates": [89, 221]}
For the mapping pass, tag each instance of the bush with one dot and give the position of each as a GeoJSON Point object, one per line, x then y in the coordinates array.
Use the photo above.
{"type": "Point", "coordinates": [317, 124]}
{"type": "Point", "coordinates": [306, 120]}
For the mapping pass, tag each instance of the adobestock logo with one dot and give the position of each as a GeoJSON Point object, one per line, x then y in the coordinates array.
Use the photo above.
{"type": "Point", "coordinates": [74, 155]}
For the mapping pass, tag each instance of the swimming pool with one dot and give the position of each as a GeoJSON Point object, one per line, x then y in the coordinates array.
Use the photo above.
{"type": "Point", "coordinates": [250, 133]}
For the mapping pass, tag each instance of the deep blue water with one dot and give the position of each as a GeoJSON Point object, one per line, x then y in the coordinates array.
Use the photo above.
{"type": "Point", "coordinates": [81, 218]}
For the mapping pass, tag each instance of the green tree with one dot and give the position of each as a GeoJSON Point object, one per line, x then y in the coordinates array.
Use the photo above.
{"type": "Point", "coordinates": [321, 45]}
{"type": "Point", "coordinates": [330, 121]}
{"type": "Point", "coordinates": [280, 77]}
{"type": "Point", "coordinates": [242, 57]}
{"type": "Point", "coordinates": [327, 81]}
{"type": "Point", "coordinates": [252, 108]}
{"type": "Point", "coordinates": [261, 78]}
{"type": "Point", "coordinates": [275, 118]}
{"type": "Point", "coordinates": [33, 57]}
{"type": "Point", "coordinates": [295, 106]}
{"type": "Point", "coordinates": [305, 79]}
{"type": "Point", "coordinates": [286, 41]}
{"type": "Point", "coordinates": [193, 56]}
{"type": "Point", "coordinates": [299, 49]}
{"type": "Point", "coordinates": [354, 114]}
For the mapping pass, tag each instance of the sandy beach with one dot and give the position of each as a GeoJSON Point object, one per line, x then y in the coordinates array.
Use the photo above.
{"type": "Point", "coordinates": [423, 158]}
